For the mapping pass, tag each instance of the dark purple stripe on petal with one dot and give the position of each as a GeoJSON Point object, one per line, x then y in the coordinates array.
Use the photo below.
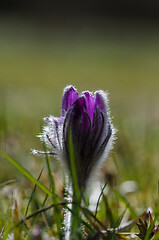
{"type": "Point", "coordinates": [99, 128]}
{"type": "Point", "coordinates": [66, 125]}
{"type": "Point", "coordinates": [94, 139]}
{"type": "Point", "coordinates": [80, 123]}
{"type": "Point", "coordinates": [90, 104]}
{"type": "Point", "coordinates": [95, 156]}
{"type": "Point", "coordinates": [105, 142]}
{"type": "Point", "coordinates": [70, 95]}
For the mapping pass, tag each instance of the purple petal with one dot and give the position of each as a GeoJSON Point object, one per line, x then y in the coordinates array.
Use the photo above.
{"type": "Point", "coordinates": [79, 116]}
{"type": "Point", "coordinates": [101, 101]}
{"type": "Point", "coordinates": [70, 95]}
{"type": "Point", "coordinates": [73, 116]}
{"type": "Point", "coordinates": [90, 104]}
{"type": "Point", "coordinates": [79, 122]}
{"type": "Point", "coordinates": [95, 135]}
{"type": "Point", "coordinates": [105, 141]}
{"type": "Point", "coordinates": [98, 125]}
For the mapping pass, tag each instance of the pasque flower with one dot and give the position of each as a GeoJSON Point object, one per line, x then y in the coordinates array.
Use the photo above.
{"type": "Point", "coordinates": [86, 116]}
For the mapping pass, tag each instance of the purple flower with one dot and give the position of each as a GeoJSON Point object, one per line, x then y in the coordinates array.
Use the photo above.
{"type": "Point", "coordinates": [87, 117]}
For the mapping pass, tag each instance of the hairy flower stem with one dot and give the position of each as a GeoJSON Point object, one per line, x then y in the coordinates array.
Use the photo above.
{"type": "Point", "coordinates": [72, 216]}
{"type": "Point", "coordinates": [76, 227]}
{"type": "Point", "coordinates": [67, 213]}
{"type": "Point", "coordinates": [75, 216]}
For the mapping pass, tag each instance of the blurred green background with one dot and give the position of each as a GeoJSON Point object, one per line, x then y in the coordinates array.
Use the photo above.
{"type": "Point", "coordinates": [38, 59]}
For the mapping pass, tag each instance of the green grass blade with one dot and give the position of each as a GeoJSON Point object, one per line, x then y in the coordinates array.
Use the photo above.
{"type": "Point", "coordinates": [55, 199]}
{"type": "Point", "coordinates": [73, 167]}
{"type": "Point", "coordinates": [98, 201]}
{"type": "Point", "coordinates": [116, 225]}
{"type": "Point", "coordinates": [127, 204]}
{"type": "Point", "coordinates": [109, 213]}
{"type": "Point", "coordinates": [31, 196]}
{"type": "Point", "coordinates": [42, 205]}
{"type": "Point", "coordinates": [27, 174]}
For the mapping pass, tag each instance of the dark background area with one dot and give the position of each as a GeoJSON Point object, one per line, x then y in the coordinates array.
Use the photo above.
{"type": "Point", "coordinates": [61, 9]}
